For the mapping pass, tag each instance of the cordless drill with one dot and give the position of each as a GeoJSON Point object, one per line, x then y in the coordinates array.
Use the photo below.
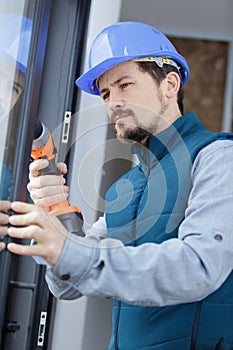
{"type": "Point", "coordinates": [43, 148]}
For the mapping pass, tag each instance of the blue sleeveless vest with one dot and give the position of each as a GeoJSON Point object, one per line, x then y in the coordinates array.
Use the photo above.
{"type": "Point", "coordinates": [147, 204]}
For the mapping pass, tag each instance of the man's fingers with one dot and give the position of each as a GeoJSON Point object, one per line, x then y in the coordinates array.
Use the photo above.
{"type": "Point", "coordinates": [28, 232]}
{"type": "Point", "coordinates": [32, 222]}
{"type": "Point", "coordinates": [5, 205]}
{"type": "Point", "coordinates": [2, 246]}
{"type": "Point", "coordinates": [4, 219]}
{"type": "Point", "coordinates": [36, 166]}
{"type": "Point", "coordinates": [39, 164]}
{"type": "Point", "coordinates": [31, 217]}
{"type": "Point", "coordinates": [3, 231]}
{"type": "Point", "coordinates": [50, 201]}
{"type": "Point", "coordinates": [34, 250]}
{"type": "Point", "coordinates": [49, 191]}
{"type": "Point", "coordinates": [27, 214]}
{"type": "Point", "coordinates": [62, 168]}
{"type": "Point", "coordinates": [47, 186]}
{"type": "Point", "coordinates": [22, 207]}
{"type": "Point", "coordinates": [45, 180]}
{"type": "Point", "coordinates": [20, 249]}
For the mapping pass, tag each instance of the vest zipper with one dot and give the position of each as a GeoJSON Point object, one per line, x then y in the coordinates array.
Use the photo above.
{"type": "Point", "coordinates": [117, 325]}
{"type": "Point", "coordinates": [196, 325]}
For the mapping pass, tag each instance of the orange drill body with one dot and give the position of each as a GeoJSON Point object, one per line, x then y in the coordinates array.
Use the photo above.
{"type": "Point", "coordinates": [43, 147]}
{"type": "Point", "coordinates": [47, 151]}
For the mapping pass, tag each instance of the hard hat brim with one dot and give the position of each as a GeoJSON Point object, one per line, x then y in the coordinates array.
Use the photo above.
{"type": "Point", "coordinates": [18, 65]}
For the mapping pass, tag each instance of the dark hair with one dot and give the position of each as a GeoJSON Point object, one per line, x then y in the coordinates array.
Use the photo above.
{"type": "Point", "coordinates": [158, 74]}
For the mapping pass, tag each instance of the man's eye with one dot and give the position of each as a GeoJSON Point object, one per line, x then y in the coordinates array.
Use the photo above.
{"type": "Point", "coordinates": [124, 85]}
{"type": "Point", "coordinates": [15, 89]}
{"type": "Point", "coordinates": [105, 96]}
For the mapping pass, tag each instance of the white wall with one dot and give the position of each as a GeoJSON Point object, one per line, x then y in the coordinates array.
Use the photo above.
{"type": "Point", "coordinates": [12, 6]}
{"type": "Point", "coordinates": [202, 18]}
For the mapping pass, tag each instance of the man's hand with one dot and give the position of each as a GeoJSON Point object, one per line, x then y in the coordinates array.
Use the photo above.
{"type": "Point", "coordinates": [4, 220]}
{"type": "Point", "coordinates": [32, 222]}
{"type": "Point", "coordinates": [47, 190]}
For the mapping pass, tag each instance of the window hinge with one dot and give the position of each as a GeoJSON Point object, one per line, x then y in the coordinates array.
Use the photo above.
{"type": "Point", "coordinates": [66, 127]}
{"type": "Point", "coordinates": [41, 333]}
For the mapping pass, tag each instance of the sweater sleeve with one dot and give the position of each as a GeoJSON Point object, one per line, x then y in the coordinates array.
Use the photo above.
{"type": "Point", "coordinates": [179, 270]}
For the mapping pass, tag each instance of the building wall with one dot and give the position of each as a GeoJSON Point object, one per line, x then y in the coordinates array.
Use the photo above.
{"type": "Point", "coordinates": [204, 91]}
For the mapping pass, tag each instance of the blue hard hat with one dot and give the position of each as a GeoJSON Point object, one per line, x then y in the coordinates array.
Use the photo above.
{"type": "Point", "coordinates": [15, 37]}
{"type": "Point", "coordinates": [124, 42]}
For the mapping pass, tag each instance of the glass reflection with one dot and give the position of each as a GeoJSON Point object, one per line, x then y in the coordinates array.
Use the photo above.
{"type": "Point", "coordinates": [15, 36]}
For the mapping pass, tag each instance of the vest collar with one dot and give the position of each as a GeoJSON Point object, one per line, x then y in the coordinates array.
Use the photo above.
{"type": "Point", "coordinates": [164, 142]}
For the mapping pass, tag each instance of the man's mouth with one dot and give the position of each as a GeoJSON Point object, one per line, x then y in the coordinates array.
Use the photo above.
{"type": "Point", "coordinates": [119, 115]}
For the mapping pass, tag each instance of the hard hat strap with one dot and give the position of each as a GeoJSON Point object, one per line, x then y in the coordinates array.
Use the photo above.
{"type": "Point", "coordinates": [160, 61]}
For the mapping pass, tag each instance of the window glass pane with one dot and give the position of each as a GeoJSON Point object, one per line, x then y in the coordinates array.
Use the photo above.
{"type": "Point", "coordinates": [15, 38]}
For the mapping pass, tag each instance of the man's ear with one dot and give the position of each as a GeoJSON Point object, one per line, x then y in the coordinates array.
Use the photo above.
{"type": "Point", "coordinates": [173, 84]}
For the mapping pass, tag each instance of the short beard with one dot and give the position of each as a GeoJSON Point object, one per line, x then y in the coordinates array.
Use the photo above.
{"type": "Point", "coordinates": [140, 132]}
{"type": "Point", "coordinates": [138, 135]}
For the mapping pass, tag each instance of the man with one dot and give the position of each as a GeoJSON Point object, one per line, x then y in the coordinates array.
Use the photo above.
{"type": "Point", "coordinates": [163, 249]}
{"type": "Point", "coordinates": [11, 88]}
{"type": "Point", "coordinates": [15, 35]}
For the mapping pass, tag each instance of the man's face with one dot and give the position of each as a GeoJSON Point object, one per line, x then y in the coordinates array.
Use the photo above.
{"type": "Point", "coordinates": [135, 104]}
{"type": "Point", "coordinates": [11, 86]}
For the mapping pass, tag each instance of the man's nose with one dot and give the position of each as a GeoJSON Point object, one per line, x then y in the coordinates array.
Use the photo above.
{"type": "Point", "coordinates": [115, 101]}
{"type": "Point", "coordinates": [5, 98]}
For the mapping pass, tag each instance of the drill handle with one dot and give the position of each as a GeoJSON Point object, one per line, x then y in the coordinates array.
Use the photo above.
{"type": "Point", "coordinates": [51, 169]}
{"type": "Point", "coordinates": [63, 207]}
